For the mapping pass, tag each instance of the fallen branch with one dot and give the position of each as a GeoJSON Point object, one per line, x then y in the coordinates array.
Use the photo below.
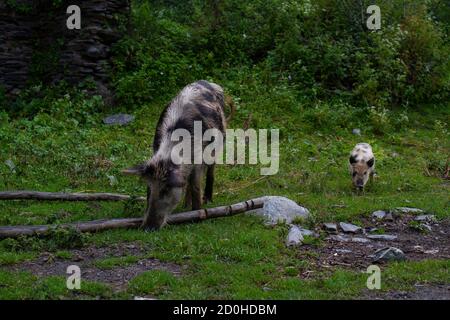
{"type": "Point", "coordinates": [100, 225]}
{"type": "Point", "coordinates": [61, 196]}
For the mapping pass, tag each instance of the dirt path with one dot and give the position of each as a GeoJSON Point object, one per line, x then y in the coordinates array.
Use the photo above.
{"type": "Point", "coordinates": [116, 276]}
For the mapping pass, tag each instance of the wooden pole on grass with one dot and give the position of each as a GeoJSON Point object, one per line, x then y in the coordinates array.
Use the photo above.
{"type": "Point", "coordinates": [61, 196]}
{"type": "Point", "coordinates": [105, 224]}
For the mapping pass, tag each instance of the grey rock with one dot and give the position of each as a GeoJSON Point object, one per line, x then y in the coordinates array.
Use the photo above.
{"type": "Point", "coordinates": [408, 210]}
{"type": "Point", "coordinates": [426, 218]}
{"type": "Point", "coordinates": [343, 251]}
{"type": "Point", "coordinates": [389, 216]}
{"type": "Point", "coordinates": [349, 228]}
{"type": "Point", "coordinates": [306, 232]}
{"type": "Point", "coordinates": [280, 210]}
{"type": "Point", "coordinates": [379, 214]}
{"type": "Point", "coordinates": [386, 237]}
{"type": "Point", "coordinates": [330, 227]}
{"type": "Point", "coordinates": [360, 240]}
{"type": "Point", "coordinates": [370, 230]}
{"type": "Point", "coordinates": [388, 254]}
{"type": "Point", "coordinates": [143, 298]}
{"type": "Point", "coordinates": [118, 119]}
{"type": "Point", "coordinates": [382, 215]}
{"type": "Point", "coordinates": [425, 226]}
{"type": "Point", "coordinates": [356, 131]}
{"type": "Point", "coordinates": [338, 238]}
{"type": "Point", "coordinates": [294, 237]}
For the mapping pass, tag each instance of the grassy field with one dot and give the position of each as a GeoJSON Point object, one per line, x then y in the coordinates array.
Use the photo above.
{"type": "Point", "coordinates": [236, 257]}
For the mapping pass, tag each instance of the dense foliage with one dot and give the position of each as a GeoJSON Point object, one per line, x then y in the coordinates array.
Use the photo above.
{"type": "Point", "coordinates": [321, 48]}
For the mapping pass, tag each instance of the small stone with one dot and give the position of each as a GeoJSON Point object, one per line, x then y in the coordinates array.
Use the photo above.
{"type": "Point", "coordinates": [118, 119]}
{"type": "Point", "coordinates": [425, 226]}
{"type": "Point", "coordinates": [338, 238]}
{"type": "Point", "coordinates": [434, 251]}
{"type": "Point", "coordinates": [370, 230]}
{"type": "Point", "coordinates": [294, 237]}
{"type": "Point", "coordinates": [343, 251]}
{"type": "Point", "coordinates": [388, 254]}
{"type": "Point", "coordinates": [356, 131]}
{"type": "Point", "coordinates": [379, 214]}
{"type": "Point", "coordinates": [306, 232]}
{"type": "Point", "coordinates": [389, 216]}
{"type": "Point", "coordinates": [408, 210]}
{"type": "Point", "coordinates": [360, 240]}
{"type": "Point", "coordinates": [426, 218]}
{"type": "Point", "coordinates": [330, 227]}
{"type": "Point", "coordinates": [143, 298]}
{"type": "Point", "coordinates": [394, 155]}
{"type": "Point", "coordinates": [386, 237]}
{"type": "Point", "coordinates": [349, 228]}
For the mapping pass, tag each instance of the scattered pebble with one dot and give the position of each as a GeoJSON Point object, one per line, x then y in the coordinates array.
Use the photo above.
{"type": "Point", "coordinates": [143, 298]}
{"type": "Point", "coordinates": [356, 131]}
{"type": "Point", "coordinates": [339, 238]}
{"type": "Point", "coordinates": [379, 214]}
{"type": "Point", "coordinates": [360, 240]}
{"type": "Point", "coordinates": [426, 218]}
{"type": "Point", "coordinates": [343, 251]}
{"type": "Point", "coordinates": [330, 227]}
{"type": "Point", "coordinates": [294, 237]}
{"type": "Point", "coordinates": [388, 254]}
{"type": "Point", "coordinates": [349, 228]}
{"type": "Point", "coordinates": [118, 119]}
{"type": "Point", "coordinates": [408, 210]}
{"type": "Point", "coordinates": [386, 237]}
{"type": "Point", "coordinates": [306, 232]}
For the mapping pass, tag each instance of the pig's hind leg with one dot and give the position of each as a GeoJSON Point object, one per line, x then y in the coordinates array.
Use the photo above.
{"type": "Point", "coordinates": [196, 189]}
{"type": "Point", "coordinates": [209, 184]}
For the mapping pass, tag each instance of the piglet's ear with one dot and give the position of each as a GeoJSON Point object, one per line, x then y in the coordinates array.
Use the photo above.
{"type": "Point", "coordinates": [138, 170]}
{"type": "Point", "coordinates": [371, 162]}
{"type": "Point", "coordinates": [352, 159]}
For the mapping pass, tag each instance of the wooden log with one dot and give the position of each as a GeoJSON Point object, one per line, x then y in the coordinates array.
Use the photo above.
{"type": "Point", "coordinates": [105, 224]}
{"type": "Point", "coordinates": [61, 196]}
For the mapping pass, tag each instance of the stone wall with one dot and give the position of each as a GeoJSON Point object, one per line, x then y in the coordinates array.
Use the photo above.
{"type": "Point", "coordinates": [36, 45]}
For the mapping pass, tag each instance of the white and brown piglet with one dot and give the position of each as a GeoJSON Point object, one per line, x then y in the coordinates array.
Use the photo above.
{"type": "Point", "coordinates": [361, 164]}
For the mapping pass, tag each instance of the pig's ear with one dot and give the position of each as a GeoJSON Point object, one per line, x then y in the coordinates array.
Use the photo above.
{"type": "Point", "coordinates": [138, 170]}
{"type": "Point", "coordinates": [371, 162]}
{"type": "Point", "coordinates": [352, 159]}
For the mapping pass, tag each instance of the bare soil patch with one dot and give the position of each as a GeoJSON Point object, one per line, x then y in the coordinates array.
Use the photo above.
{"type": "Point", "coordinates": [416, 244]}
{"type": "Point", "coordinates": [420, 292]}
{"type": "Point", "coordinates": [117, 277]}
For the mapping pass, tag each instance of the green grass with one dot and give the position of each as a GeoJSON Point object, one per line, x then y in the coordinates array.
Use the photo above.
{"type": "Point", "coordinates": [112, 262]}
{"type": "Point", "coordinates": [236, 257]}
